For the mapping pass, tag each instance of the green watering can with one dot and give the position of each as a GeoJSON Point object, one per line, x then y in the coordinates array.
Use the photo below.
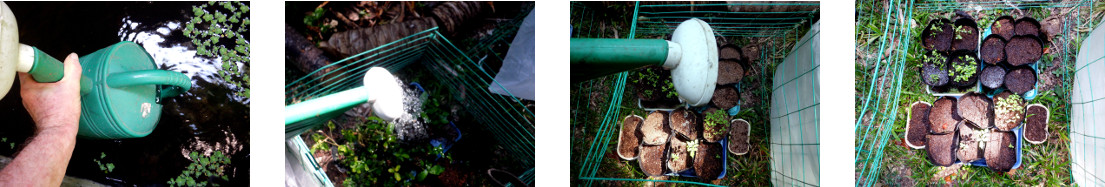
{"type": "Point", "coordinates": [121, 87]}
{"type": "Point", "coordinates": [121, 91]}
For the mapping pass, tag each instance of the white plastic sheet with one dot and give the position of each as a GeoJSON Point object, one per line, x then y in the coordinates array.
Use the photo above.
{"type": "Point", "coordinates": [516, 76]}
{"type": "Point", "coordinates": [1087, 134]}
{"type": "Point", "coordinates": [794, 114]}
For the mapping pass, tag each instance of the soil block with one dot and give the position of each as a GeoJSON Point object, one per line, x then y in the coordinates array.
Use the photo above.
{"type": "Point", "coordinates": [943, 116]}
{"type": "Point", "coordinates": [993, 77]}
{"type": "Point", "coordinates": [1020, 80]}
{"type": "Point", "coordinates": [725, 97]}
{"type": "Point", "coordinates": [677, 155]}
{"type": "Point", "coordinates": [969, 139]}
{"type": "Point", "coordinates": [966, 38]}
{"type": "Point", "coordinates": [1023, 50]}
{"type": "Point", "coordinates": [707, 161]}
{"type": "Point", "coordinates": [1003, 26]}
{"type": "Point", "coordinates": [729, 72]}
{"type": "Point", "coordinates": [941, 148]}
{"type": "Point", "coordinates": [717, 132]}
{"type": "Point", "coordinates": [729, 52]}
{"type": "Point", "coordinates": [630, 137]}
{"type": "Point", "coordinates": [918, 124]}
{"type": "Point", "coordinates": [1010, 114]}
{"type": "Point", "coordinates": [738, 136]}
{"type": "Point", "coordinates": [964, 70]}
{"type": "Point", "coordinates": [976, 108]}
{"type": "Point", "coordinates": [1035, 129]}
{"type": "Point", "coordinates": [1028, 26]}
{"type": "Point", "coordinates": [652, 159]}
{"type": "Point", "coordinates": [683, 121]}
{"type": "Point", "coordinates": [934, 71]}
{"type": "Point", "coordinates": [938, 35]}
{"type": "Point", "coordinates": [655, 129]}
{"type": "Point", "coordinates": [993, 49]}
{"type": "Point", "coordinates": [1001, 152]}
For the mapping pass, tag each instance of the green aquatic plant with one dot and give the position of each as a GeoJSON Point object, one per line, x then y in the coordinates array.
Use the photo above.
{"type": "Point", "coordinates": [106, 167]}
{"type": "Point", "coordinates": [220, 30]}
{"type": "Point", "coordinates": [203, 170]}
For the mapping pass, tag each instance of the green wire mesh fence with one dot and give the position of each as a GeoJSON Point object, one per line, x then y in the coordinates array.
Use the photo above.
{"type": "Point", "coordinates": [778, 25]}
{"type": "Point", "coordinates": [467, 82]}
{"type": "Point", "coordinates": [881, 99]}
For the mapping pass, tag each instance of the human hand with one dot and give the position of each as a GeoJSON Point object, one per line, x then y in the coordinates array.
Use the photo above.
{"type": "Point", "coordinates": [54, 106]}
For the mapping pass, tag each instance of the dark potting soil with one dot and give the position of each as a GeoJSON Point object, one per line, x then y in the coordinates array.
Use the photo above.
{"type": "Point", "coordinates": [652, 159]}
{"type": "Point", "coordinates": [1000, 151]}
{"type": "Point", "coordinates": [1036, 124]}
{"type": "Point", "coordinates": [729, 72]}
{"type": "Point", "coordinates": [976, 108]}
{"type": "Point", "coordinates": [971, 71]}
{"type": "Point", "coordinates": [943, 116]}
{"type": "Point", "coordinates": [934, 71]}
{"type": "Point", "coordinates": [993, 77]}
{"type": "Point", "coordinates": [918, 124]}
{"type": "Point", "coordinates": [993, 49]}
{"type": "Point", "coordinates": [967, 41]}
{"type": "Point", "coordinates": [677, 159]}
{"type": "Point", "coordinates": [1020, 80]}
{"type": "Point", "coordinates": [938, 40]}
{"type": "Point", "coordinates": [655, 129]}
{"type": "Point", "coordinates": [1009, 120]}
{"type": "Point", "coordinates": [707, 161]}
{"type": "Point", "coordinates": [941, 148]}
{"type": "Point", "coordinates": [1003, 26]}
{"type": "Point", "coordinates": [738, 136]}
{"type": "Point", "coordinates": [630, 137]}
{"type": "Point", "coordinates": [1022, 50]}
{"type": "Point", "coordinates": [729, 52]}
{"type": "Point", "coordinates": [683, 121]}
{"type": "Point", "coordinates": [725, 97]}
{"type": "Point", "coordinates": [1028, 26]}
{"type": "Point", "coordinates": [969, 138]}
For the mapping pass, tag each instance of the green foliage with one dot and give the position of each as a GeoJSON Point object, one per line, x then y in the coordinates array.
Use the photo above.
{"type": "Point", "coordinates": [204, 169]}
{"type": "Point", "coordinates": [960, 31]}
{"type": "Point", "coordinates": [652, 78]}
{"type": "Point", "coordinates": [217, 31]}
{"type": "Point", "coordinates": [106, 167]}
{"type": "Point", "coordinates": [963, 72]}
{"type": "Point", "coordinates": [314, 19]}
{"type": "Point", "coordinates": [1009, 105]}
{"type": "Point", "coordinates": [375, 157]}
{"type": "Point", "coordinates": [717, 120]}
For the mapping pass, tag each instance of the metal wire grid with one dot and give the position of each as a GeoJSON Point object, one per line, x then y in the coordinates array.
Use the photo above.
{"type": "Point", "coordinates": [468, 82]}
{"type": "Point", "coordinates": [791, 102]}
{"type": "Point", "coordinates": [659, 20]}
{"type": "Point", "coordinates": [1088, 132]}
{"type": "Point", "coordinates": [879, 109]}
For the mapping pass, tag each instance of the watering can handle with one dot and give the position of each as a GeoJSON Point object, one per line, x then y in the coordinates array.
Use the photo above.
{"type": "Point", "coordinates": [180, 83]}
{"type": "Point", "coordinates": [43, 68]}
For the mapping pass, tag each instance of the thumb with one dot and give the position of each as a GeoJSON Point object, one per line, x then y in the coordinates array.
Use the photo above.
{"type": "Point", "coordinates": [72, 68]}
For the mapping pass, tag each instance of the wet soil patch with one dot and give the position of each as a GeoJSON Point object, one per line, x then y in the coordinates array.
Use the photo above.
{"type": "Point", "coordinates": [1020, 80]}
{"type": "Point", "coordinates": [963, 71]}
{"type": "Point", "coordinates": [738, 137]}
{"type": "Point", "coordinates": [707, 161]}
{"type": "Point", "coordinates": [938, 35]}
{"type": "Point", "coordinates": [1003, 26]}
{"type": "Point", "coordinates": [1028, 26]}
{"type": "Point", "coordinates": [966, 36]}
{"type": "Point", "coordinates": [683, 121]}
{"type": "Point", "coordinates": [677, 159]}
{"type": "Point", "coordinates": [993, 77]}
{"type": "Point", "coordinates": [630, 137]}
{"type": "Point", "coordinates": [652, 159]}
{"type": "Point", "coordinates": [993, 49]}
{"type": "Point", "coordinates": [730, 52]}
{"type": "Point", "coordinates": [1008, 111]}
{"type": "Point", "coordinates": [1001, 152]}
{"type": "Point", "coordinates": [1023, 50]}
{"type": "Point", "coordinates": [1036, 123]}
{"type": "Point", "coordinates": [969, 139]}
{"type": "Point", "coordinates": [934, 71]}
{"type": "Point", "coordinates": [729, 72]}
{"type": "Point", "coordinates": [976, 108]}
{"type": "Point", "coordinates": [725, 97]}
{"type": "Point", "coordinates": [941, 148]}
{"type": "Point", "coordinates": [655, 130]}
{"type": "Point", "coordinates": [918, 124]}
{"type": "Point", "coordinates": [943, 116]}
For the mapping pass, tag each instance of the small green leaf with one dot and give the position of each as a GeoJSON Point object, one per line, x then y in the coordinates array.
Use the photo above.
{"type": "Point", "coordinates": [110, 167]}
